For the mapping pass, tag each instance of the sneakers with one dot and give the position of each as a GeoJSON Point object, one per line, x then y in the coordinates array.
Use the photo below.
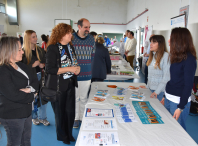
{"type": "Point", "coordinates": [35, 121]}
{"type": "Point", "coordinates": [45, 122]}
{"type": "Point", "coordinates": [76, 124]}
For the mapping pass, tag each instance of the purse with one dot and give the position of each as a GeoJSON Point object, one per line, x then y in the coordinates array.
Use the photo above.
{"type": "Point", "coordinates": [48, 94]}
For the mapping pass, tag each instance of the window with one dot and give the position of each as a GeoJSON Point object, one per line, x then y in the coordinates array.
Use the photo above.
{"type": "Point", "coordinates": [2, 8]}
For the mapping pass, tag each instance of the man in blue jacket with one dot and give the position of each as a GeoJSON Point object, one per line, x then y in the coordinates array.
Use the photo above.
{"type": "Point", "coordinates": [107, 41]}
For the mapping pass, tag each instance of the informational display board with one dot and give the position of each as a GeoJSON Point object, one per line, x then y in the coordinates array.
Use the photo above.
{"type": "Point", "coordinates": [178, 21]}
{"type": "Point", "coordinates": [57, 21]}
{"type": "Point", "coordinates": [185, 10]}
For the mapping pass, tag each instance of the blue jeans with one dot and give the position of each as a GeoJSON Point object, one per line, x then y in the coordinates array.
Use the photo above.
{"type": "Point", "coordinates": [171, 107]}
{"type": "Point", "coordinates": [42, 108]}
{"type": "Point", "coordinates": [18, 131]}
{"type": "Point", "coordinates": [160, 96]}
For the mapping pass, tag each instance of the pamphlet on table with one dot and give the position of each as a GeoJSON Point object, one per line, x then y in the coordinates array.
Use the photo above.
{"type": "Point", "coordinates": [99, 113]}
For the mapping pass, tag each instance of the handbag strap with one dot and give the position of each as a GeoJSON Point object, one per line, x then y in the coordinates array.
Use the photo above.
{"type": "Point", "coordinates": [58, 76]}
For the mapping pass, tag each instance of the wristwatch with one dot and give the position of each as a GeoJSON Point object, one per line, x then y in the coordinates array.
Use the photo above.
{"type": "Point", "coordinates": [180, 109]}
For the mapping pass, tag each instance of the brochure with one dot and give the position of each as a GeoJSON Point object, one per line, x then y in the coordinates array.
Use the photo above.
{"type": "Point", "coordinates": [118, 97]}
{"type": "Point", "coordinates": [102, 93]}
{"type": "Point", "coordinates": [99, 124]}
{"type": "Point", "coordinates": [98, 99]}
{"type": "Point", "coordinates": [128, 73]}
{"type": "Point", "coordinates": [99, 113]}
{"type": "Point", "coordinates": [99, 139]}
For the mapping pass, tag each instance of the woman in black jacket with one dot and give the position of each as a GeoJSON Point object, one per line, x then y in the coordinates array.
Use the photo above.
{"type": "Point", "coordinates": [34, 57]}
{"type": "Point", "coordinates": [17, 90]}
{"type": "Point", "coordinates": [101, 65]}
{"type": "Point", "coordinates": [61, 60]}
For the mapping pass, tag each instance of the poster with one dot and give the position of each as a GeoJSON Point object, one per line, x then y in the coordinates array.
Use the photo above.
{"type": "Point", "coordinates": [178, 21]}
{"type": "Point", "coordinates": [148, 33]}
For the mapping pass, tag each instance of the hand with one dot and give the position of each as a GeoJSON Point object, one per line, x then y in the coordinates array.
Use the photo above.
{"type": "Point", "coordinates": [153, 95]}
{"type": "Point", "coordinates": [177, 114]}
{"type": "Point", "coordinates": [36, 63]}
{"type": "Point", "coordinates": [162, 101]}
{"type": "Point", "coordinates": [41, 65]}
{"type": "Point", "coordinates": [26, 90]}
{"type": "Point", "coordinates": [75, 70]}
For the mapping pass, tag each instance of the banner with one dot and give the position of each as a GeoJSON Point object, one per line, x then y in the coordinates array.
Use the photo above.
{"type": "Point", "coordinates": [184, 10]}
{"type": "Point", "coordinates": [147, 32]}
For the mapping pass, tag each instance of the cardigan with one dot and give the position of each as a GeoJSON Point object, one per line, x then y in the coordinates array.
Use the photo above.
{"type": "Point", "coordinates": [157, 78]}
{"type": "Point", "coordinates": [101, 63]}
{"type": "Point", "coordinates": [130, 46]}
{"type": "Point", "coordinates": [52, 69]}
{"type": "Point", "coordinates": [182, 79]}
{"type": "Point", "coordinates": [16, 104]}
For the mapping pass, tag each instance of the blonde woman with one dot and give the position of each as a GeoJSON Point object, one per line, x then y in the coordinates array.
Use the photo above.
{"type": "Point", "coordinates": [34, 57]}
{"type": "Point", "coordinates": [158, 67]}
{"type": "Point", "coordinates": [101, 64]}
{"type": "Point", "coordinates": [17, 91]}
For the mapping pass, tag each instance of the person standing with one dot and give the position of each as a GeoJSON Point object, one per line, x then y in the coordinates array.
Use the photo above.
{"type": "Point", "coordinates": [107, 41]}
{"type": "Point", "coordinates": [182, 71]}
{"type": "Point", "coordinates": [60, 51]}
{"type": "Point", "coordinates": [34, 57]}
{"type": "Point", "coordinates": [158, 67]}
{"type": "Point", "coordinates": [44, 42]}
{"type": "Point", "coordinates": [84, 45]}
{"type": "Point", "coordinates": [17, 90]}
{"type": "Point", "coordinates": [130, 47]}
{"type": "Point", "coordinates": [102, 63]}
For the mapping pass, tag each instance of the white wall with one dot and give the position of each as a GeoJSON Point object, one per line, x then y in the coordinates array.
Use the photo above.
{"type": "Point", "coordinates": [159, 14]}
{"type": "Point", "coordinates": [39, 15]}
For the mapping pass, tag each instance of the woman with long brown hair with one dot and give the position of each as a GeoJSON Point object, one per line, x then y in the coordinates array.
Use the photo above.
{"type": "Point", "coordinates": [158, 66]}
{"type": "Point", "coordinates": [34, 57]}
{"type": "Point", "coordinates": [182, 70]}
{"type": "Point", "coordinates": [61, 61]}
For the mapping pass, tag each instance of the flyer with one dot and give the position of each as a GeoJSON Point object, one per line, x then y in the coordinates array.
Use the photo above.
{"type": "Point", "coordinates": [118, 97]}
{"type": "Point", "coordinates": [99, 139]}
{"type": "Point", "coordinates": [99, 124]}
{"type": "Point", "coordinates": [102, 93]}
{"type": "Point", "coordinates": [98, 99]}
{"type": "Point", "coordinates": [99, 113]}
{"type": "Point", "coordinates": [120, 91]}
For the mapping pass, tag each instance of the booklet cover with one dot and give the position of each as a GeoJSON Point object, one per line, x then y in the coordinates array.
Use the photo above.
{"type": "Point", "coordinates": [102, 93]}
{"type": "Point", "coordinates": [120, 91]}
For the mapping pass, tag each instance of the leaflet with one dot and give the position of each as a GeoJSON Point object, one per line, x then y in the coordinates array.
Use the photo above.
{"type": "Point", "coordinates": [102, 93]}
{"type": "Point", "coordinates": [118, 97]}
{"type": "Point", "coordinates": [99, 124]}
{"type": "Point", "coordinates": [120, 91]}
{"type": "Point", "coordinates": [99, 113]}
{"type": "Point", "coordinates": [99, 139]}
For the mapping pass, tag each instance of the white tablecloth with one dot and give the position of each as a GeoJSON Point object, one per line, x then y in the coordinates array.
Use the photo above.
{"type": "Point", "coordinates": [137, 134]}
{"type": "Point", "coordinates": [121, 64]}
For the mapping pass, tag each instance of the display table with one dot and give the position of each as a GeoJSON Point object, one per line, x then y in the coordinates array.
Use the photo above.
{"type": "Point", "coordinates": [135, 133]}
{"type": "Point", "coordinates": [123, 65]}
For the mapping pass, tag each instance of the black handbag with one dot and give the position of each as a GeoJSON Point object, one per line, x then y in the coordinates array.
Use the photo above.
{"type": "Point", "coordinates": [48, 94]}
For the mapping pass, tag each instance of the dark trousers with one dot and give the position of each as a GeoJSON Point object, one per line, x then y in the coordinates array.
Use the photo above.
{"type": "Point", "coordinates": [146, 73]}
{"type": "Point", "coordinates": [97, 80]}
{"type": "Point", "coordinates": [64, 110]}
{"type": "Point", "coordinates": [18, 131]}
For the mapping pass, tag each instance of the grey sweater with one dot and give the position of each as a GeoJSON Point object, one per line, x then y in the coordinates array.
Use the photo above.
{"type": "Point", "coordinates": [157, 78]}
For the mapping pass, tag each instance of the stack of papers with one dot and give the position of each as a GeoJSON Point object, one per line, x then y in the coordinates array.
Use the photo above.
{"type": "Point", "coordinates": [120, 91]}
{"type": "Point", "coordinates": [136, 95]}
{"type": "Point", "coordinates": [128, 73]}
{"type": "Point", "coordinates": [124, 113]}
{"type": "Point", "coordinates": [118, 97]}
{"type": "Point", "coordinates": [102, 93]}
{"type": "Point", "coordinates": [146, 113]}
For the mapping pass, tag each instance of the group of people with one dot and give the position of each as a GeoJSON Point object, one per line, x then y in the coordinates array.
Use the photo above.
{"type": "Point", "coordinates": [77, 59]}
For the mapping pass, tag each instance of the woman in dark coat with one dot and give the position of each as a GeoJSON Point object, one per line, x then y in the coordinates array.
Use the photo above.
{"type": "Point", "coordinates": [61, 60]}
{"type": "Point", "coordinates": [101, 65]}
{"type": "Point", "coordinates": [17, 90]}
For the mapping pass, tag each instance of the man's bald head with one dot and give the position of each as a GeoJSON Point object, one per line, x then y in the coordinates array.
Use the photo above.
{"type": "Point", "coordinates": [83, 27]}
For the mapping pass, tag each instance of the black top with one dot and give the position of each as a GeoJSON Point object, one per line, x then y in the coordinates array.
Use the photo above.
{"type": "Point", "coordinates": [37, 67]}
{"type": "Point", "coordinates": [51, 69]}
{"type": "Point", "coordinates": [16, 104]}
{"type": "Point", "coordinates": [101, 64]}
{"type": "Point", "coordinates": [182, 78]}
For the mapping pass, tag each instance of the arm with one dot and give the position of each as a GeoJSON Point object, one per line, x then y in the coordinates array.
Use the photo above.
{"type": "Point", "coordinates": [10, 91]}
{"type": "Point", "coordinates": [166, 75]}
{"type": "Point", "coordinates": [93, 52]}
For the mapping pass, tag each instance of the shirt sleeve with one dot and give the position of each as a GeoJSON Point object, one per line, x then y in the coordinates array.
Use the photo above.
{"type": "Point", "coordinates": [148, 49]}
{"type": "Point", "coordinates": [166, 75]}
{"type": "Point", "coordinates": [189, 73]}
